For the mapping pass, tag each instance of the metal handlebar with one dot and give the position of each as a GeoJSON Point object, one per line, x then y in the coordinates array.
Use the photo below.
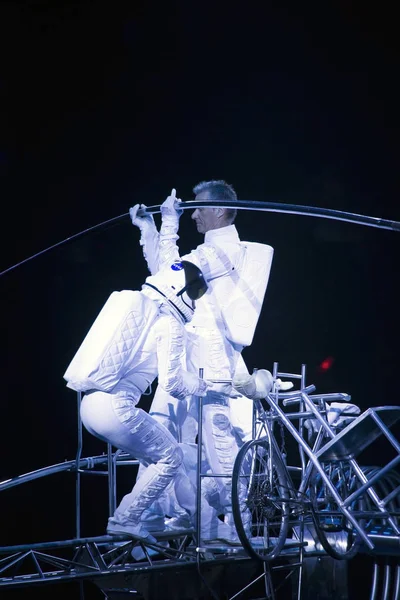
{"type": "Point", "coordinates": [335, 397]}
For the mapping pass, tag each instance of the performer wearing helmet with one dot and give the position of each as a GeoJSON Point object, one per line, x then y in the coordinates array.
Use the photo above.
{"type": "Point", "coordinates": [137, 336]}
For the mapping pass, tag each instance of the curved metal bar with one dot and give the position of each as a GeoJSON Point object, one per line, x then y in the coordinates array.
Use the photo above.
{"type": "Point", "coordinates": [278, 207]}
{"type": "Point", "coordinates": [70, 465]}
{"type": "Point", "coordinates": [294, 209]}
{"type": "Point", "coordinates": [68, 239]}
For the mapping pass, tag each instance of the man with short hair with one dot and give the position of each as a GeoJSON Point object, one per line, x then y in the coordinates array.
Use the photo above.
{"type": "Point", "coordinates": [224, 323]}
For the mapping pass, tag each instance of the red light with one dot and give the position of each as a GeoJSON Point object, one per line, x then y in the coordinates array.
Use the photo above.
{"type": "Point", "coordinates": [326, 364]}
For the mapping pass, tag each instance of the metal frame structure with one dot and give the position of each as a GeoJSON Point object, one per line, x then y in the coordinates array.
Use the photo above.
{"type": "Point", "coordinates": [106, 559]}
{"type": "Point", "coordinates": [332, 448]}
{"type": "Point", "coordinates": [110, 565]}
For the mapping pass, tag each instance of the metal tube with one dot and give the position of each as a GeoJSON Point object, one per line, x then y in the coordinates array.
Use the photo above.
{"type": "Point", "coordinates": [294, 209]}
{"type": "Point", "coordinates": [317, 415]}
{"type": "Point", "coordinates": [280, 207]}
{"type": "Point", "coordinates": [375, 581]}
{"type": "Point", "coordinates": [113, 491]}
{"type": "Point", "coordinates": [372, 493]}
{"type": "Point", "coordinates": [69, 465]}
{"type": "Point", "coordinates": [385, 544]}
{"type": "Point", "coordinates": [77, 462]}
{"type": "Point", "coordinates": [386, 582]}
{"type": "Point", "coordinates": [386, 431]}
{"type": "Point", "coordinates": [248, 586]}
{"type": "Point", "coordinates": [199, 456]}
{"type": "Point", "coordinates": [340, 397]}
{"type": "Point", "coordinates": [103, 539]}
{"type": "Point", "coordinates": [368, 483]}
{"type": "Point", "coordinates": [269, 586]}
{"type": "Point", "coordinates": [289, 375]}
{"type": "Point", "coordinates": [301, 421]}
{"type": "Point", "coordinates": [111, 480]}
{"type": "Point", "coordinates": [396, 591]}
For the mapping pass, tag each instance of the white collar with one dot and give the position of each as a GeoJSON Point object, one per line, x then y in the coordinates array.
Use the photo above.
{"type": "Point", "coordinates": [229, 231]}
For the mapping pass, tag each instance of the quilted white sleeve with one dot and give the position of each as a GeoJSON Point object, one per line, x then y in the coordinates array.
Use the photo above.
{"type": "Point", "coordinates": [150, 242]}
{"type": "Point", "coordinates": [149, 236]}
{"type": "Point", "coordinates": [170, 336]}
{"type": "Point", "coordinates": [168, 250]}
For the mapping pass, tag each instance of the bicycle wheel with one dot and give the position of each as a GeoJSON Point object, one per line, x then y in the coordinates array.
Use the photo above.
{"type": "Point", "coordinates": [260, 500]}
{"type": "Point", "coordinates": [336, 533]}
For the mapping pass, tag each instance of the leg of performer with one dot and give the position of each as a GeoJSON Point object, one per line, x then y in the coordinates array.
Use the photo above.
{"type": "Point", "coordinates": [173, 414]}
{"type": "Point", "coordinates": [117, 420]}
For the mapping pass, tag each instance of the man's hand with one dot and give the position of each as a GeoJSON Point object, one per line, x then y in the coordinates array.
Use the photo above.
{"type": "Point", "coordinates": [169, 208]}
{"type": "Point", "coordinates": [141, 221]}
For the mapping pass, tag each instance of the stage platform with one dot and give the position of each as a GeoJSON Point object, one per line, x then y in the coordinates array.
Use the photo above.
{"type": "Point", "coordinates": [178, 567]}
{"type": "Point", "coordinates": [182, 571]}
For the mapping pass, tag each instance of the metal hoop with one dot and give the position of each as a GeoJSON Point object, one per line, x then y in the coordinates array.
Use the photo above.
{"type": "Point", "coordinates": [294, 209]}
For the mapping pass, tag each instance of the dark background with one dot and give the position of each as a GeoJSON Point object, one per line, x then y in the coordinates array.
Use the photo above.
{"type": "Point", "coordinates": [107, 105]}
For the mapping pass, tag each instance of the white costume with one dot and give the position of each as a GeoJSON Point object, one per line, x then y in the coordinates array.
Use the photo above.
{"type": "Point", "coordinates": [224, 322]}
{"type": "Point", "coordinates": [136, 337]}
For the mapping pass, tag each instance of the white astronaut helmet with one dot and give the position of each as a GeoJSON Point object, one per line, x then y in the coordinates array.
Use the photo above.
{"type": "Point", "coordinates": [180, 284]}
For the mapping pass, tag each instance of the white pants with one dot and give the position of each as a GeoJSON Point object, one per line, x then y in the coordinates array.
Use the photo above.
{"type": "Point", "coordinates": [116, 419]}
{"type": "Point", "coordinates": [227, 422]}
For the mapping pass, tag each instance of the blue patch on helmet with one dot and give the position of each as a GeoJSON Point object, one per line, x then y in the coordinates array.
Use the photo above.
{"type": "Point", "coordinates": [177, 266]}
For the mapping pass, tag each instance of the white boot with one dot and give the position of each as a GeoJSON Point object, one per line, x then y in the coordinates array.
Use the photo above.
{"type": "Point", "coordinates": [214, 529]}
{"type": "Point", "coordinates": [177, 523]}
{"type": "Point", "coordinates": [130, 528]}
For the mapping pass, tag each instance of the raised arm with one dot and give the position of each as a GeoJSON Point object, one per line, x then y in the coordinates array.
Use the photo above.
{"type": "Point", "coordinates": [149, 238]}
{"type": "Point", "coordinates": [170, 215]}
{"type": "Point", "coordinates": [159, 248]}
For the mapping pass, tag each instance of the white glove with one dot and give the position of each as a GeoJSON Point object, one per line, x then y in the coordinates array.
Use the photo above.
{"type": "Point", "coordinates": [255, 386]}
{"type": "Point", "coordinates": [260, 384]}
{"type": "Point", "coordinates": [245, 385]}
{"type": "Point", "coordinates": [169, 228]}
{"type": "Point", "coordinates": [282, 386]}
{"type": "Point", "coordinates": [143, 222]}
{"type": "Point", "coordinates": [204, 386]}
{"type": "Point", "coordinates": [169, 208]}
{"type": "Point", "coordinates": [194, 385]}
